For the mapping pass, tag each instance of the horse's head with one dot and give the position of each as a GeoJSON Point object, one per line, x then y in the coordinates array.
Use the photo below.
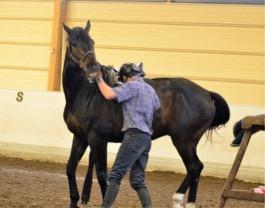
{"type": "Point", "coordinates": [81, 48]}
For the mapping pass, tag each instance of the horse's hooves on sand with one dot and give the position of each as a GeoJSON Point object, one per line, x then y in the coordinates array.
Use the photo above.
{"type": "Point", "coordinates": [84, 205]}
{"type": "Point", "coordinates": [177, 200]}
{"type": "Point", "coordinates": [190, 205]}
{"type": "Point", "coordinates": [74, 206]}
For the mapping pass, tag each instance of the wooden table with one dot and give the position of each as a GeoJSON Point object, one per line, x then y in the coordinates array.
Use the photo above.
{"type": "Point", "coordinates": [251, 125]}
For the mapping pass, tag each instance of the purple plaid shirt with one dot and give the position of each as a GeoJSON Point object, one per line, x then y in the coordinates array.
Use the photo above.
{"type": "Point", "coordinates": [140, 101]}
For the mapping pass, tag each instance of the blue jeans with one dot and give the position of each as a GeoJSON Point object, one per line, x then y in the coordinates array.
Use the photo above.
{"type": "Point", "coordinates": [133, 154]}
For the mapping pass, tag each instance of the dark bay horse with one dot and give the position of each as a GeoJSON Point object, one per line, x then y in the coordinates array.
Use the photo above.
{"type": "Point", "coordinates": [187, 112]}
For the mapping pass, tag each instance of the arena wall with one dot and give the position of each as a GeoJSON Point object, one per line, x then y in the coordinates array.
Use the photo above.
{"type": "Point", "coordinates": [219, 46]}
{"type": "Point", "coordinates": [25, 36]}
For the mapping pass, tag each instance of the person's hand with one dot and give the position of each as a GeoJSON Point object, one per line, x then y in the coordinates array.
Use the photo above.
{"type": "Point", "coordinates": [99, 74]}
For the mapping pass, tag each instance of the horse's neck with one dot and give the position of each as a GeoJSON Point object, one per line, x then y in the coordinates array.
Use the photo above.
{"type": "Point", "coordinates": [74, 83]}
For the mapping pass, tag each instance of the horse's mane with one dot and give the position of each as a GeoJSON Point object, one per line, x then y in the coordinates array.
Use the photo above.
{"type": "Point", "coordinates": [110, 75]}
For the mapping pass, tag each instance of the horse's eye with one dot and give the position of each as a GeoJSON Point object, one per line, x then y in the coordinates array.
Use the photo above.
{"type": "Point", "coordinates": [74, 44]}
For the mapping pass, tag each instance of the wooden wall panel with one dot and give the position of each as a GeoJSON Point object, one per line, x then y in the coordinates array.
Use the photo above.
{"type": "Point", "coordinates": [29, 31]}
{"type": "Point", "coordinates": [23, 79]}
{"type": "Point", "coordinates": [22, 9]}
{"type": "Point", "coordinates": [241, 68]}
{"type": "Point", "coordinates": [240, 79]}
{"type": "Point", "coordinates": [215, 14]}
{"type": "Point", "coordinates": [209, 39]}
{"type": "Point", "coordinates": [233, 92]}
{"type": "Point", "coordinates": [24, 43]}
{"type": "Point", "coordinates": [24, 56]}
{"type": "Point", "coordinates": [217, 45]}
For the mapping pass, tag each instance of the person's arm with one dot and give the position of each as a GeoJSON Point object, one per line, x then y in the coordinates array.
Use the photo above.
{"type": "Point", "coordinates": [106, 90]}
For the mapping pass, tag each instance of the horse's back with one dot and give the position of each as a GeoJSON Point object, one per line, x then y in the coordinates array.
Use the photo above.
{"type": "Point", "coordinates": [177, 85]}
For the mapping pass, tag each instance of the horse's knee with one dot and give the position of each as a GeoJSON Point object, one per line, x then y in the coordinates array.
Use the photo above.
{"type": "Point", "coordinates": [195, 169]}
{"type": "Point", "coordinates": [201, 166]}
{"type": "Point", "coordinates": [70, 169]}
{"type": "Point", "coordinates": [102, 177]}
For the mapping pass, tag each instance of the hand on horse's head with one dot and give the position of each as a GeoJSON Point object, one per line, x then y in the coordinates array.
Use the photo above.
{"type": "Point", "coordinates": [99, 74]}
{"type": "Point", "coordinates": [96, 74]}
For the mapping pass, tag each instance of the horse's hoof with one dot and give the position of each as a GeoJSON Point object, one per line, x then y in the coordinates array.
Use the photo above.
{"type": "Point", "coordinates": [177, 206]}
{"type": "Point", "coordinates": [74, 206]}
{"type": "Point", "coordinates": [177, 200]}
{"type": "Point", "coordinates": [190, 205]}
{"type": "Point", "coordinates": [84, 205]}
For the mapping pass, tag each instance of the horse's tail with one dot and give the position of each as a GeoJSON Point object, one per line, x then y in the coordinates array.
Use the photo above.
{"type": "Point", "coordinates": [222, 112]}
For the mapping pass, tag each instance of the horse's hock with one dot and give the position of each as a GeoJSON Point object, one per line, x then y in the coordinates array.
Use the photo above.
{"type": "Point", "coordinates": [250, 125]}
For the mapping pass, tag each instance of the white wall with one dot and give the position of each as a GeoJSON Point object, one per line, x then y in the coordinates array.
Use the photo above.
{"type": "Point", "coordinates": [34, 129]}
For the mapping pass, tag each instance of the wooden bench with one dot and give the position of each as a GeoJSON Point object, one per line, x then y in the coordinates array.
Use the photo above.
{"type": "Point", "coordinates": [251, 125]}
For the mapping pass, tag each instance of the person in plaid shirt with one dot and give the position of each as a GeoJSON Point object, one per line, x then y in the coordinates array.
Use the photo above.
{"type": "Point", "coordinates": [139, 102]}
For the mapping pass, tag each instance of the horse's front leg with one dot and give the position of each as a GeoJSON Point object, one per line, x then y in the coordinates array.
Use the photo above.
{"type": "Point", "coordinates": [88, 181]}
{"type": "Point", "coordinates": [98, 147]}
{"type": "Point", "coordinates": [101, 165]}
{"type": "Point", "coordinates": [97, 156]}
{"type": "Point", "coordinates": [77, 151]}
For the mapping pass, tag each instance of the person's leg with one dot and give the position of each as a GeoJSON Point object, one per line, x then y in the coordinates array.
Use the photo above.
{"type": "Point", "coordinates": [129, 152]}
{"type": "Point", "coordinates": [110, 196]}
{"type": "Point", "coordinates": [144, 197]}
{"type": "Point", "coordinates": [137, 175]}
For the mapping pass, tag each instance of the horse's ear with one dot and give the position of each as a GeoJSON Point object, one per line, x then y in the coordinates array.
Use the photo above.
{"type": "Point", "coordinates": [67, 29]}
{"type": "Point", "coordinates": [87, 28]}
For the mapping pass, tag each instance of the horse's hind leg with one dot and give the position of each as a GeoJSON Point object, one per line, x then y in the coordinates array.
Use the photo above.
{"type": "Point", "coordinates": [77, 151]}
{"type": "Point", "coordinates": [196, 172]}
{"type": "Point", "coordinates": [187, 151]}
{"type": "Point", "coordinates": [88, 181]}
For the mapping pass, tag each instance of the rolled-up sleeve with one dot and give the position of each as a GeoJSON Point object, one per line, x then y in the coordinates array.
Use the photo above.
{"type": "Point", "coordinates": [125, 91]}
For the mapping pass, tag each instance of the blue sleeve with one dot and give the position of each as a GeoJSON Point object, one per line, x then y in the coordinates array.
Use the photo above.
{"type": "Point", "coordinates": [125, 91]}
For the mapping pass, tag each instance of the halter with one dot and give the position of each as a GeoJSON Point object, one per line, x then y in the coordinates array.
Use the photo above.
{"type": "Point", "coordinates": [111, 72]}
{"type": "Point", "coordinates": [79, 62]}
